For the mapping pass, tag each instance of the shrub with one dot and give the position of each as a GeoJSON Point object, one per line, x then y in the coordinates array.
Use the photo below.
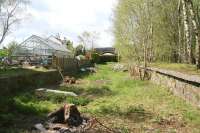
{"type": "Point", "coordinates": [95, 58]}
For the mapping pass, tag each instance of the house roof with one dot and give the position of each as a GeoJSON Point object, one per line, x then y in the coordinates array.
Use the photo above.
{"type": "Point", "coordinates": [105, 50]}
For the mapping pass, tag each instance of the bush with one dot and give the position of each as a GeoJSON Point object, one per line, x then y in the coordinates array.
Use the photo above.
{"type": "Point", "coordinates": [95, 58]}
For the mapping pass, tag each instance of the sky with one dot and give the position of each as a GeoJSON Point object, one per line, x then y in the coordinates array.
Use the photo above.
{"type": "Point", "coordinates": [69, 18]}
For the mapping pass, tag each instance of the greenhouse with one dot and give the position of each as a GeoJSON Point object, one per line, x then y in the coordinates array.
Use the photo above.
{"type": "Point", "coordinates": [38, 46]}
{"type": "Point", "coordinates": [37, 50]}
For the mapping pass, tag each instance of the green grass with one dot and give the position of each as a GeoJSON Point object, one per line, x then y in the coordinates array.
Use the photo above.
{"type": "Point", "coordinates": [9, 72]}
{"type": "Point", "coordinates": [184, 68]}
{"type": "Point", "coordinates": [116, 99]}
{"type": "Point", "coordinates": [13, 72]}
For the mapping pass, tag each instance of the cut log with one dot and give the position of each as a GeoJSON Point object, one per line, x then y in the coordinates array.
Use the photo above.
{"type": "Point", "coordinates": [72, 115]}
{"type": "Point", "coordinates": [68, 114]}
{"type": "Point", "coordinates": [43, 90]}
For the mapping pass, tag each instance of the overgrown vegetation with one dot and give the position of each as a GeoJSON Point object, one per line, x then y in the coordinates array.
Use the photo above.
{"type": "Point", "coordinates": [118, 101]}
{"type": "Point", "coordinates": [183, 68]}
{"type": "Point", "coordinates": [10, 71]}
{"type": "Point", "coordinates": [158, 30]}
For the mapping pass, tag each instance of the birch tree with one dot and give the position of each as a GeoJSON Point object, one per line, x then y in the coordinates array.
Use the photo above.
{"type": "Point", "coordinates": [187, 32]}
{"type": "Point", "coordinates": [157, 31]}
{"type": "Point", "coordinates": [195, 26]}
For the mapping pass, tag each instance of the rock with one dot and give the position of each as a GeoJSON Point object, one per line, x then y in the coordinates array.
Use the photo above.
{"type": "Point", "coordinates": [83, 69]}
{"type": "Point", "coordinates": [88, 69]}
{"type": "Point", "coordinates": [91, 69]}
{"type": "Point", "coordinates": [119, 67]}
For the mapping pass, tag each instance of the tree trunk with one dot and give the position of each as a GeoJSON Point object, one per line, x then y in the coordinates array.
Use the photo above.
{"type": "Point", "coordinates": [145, 60]}
{"type": "Point", "coordinates": [195, 26]}
{"type": "Point", "coordinates": [151, 54]}
{"type": "Point", "coordinates": [187, 33]}
{"type": "Point", "coordinates": [179, 33]}
{"type": "Point", "coordinates": [179, 40]}
{"type": "Point", "coordinates": [145, 55]}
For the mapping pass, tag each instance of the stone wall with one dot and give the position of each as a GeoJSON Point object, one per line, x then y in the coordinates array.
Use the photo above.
{"type": "Point", "coordinates": [34, 80]}
{"type": "Point", "coordinates": [182, 85]}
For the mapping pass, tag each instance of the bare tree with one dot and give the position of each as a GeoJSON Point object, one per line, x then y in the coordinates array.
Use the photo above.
{"type": "Point", "coordinates": [9, 16]}
{"type": "Point", "coordinates": [89, 39]}
{"type": "Point", "coordinates": [84, 38]}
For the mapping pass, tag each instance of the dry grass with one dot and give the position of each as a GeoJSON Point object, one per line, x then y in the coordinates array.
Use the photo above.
{"type": "Point", "coordinates": [184, 68]}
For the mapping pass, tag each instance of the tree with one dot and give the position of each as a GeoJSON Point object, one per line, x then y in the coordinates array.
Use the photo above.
{"type": "Point", "coordinates": [187, 32]}
{"type": "Point", "coordinates": [88, 39]}
{"type": "Point", "coordinates": [79, 50]}
{"type": "Point", "coordinates": [12, 46]}
{"type": "Point", "coordinates": [195, 27]}
{"type": "Point", "coordinates": [69, 45]}
{"type": "Point", "coordinates": [3, 52]}
{"type": "Point", "coordinates": [157, 30]}
{"type": "Point", "coordinates": [9, 16]}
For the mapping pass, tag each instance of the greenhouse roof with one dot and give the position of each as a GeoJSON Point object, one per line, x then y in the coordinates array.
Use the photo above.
{"type": "Point", "coordinates": [48, 42]}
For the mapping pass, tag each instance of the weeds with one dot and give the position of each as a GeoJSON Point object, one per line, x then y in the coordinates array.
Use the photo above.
{"type": "Point", "coordinates": [121, 103]}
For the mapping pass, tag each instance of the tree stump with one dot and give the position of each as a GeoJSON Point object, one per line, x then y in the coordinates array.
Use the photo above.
{"type": "Point", "coordinates": [68, 114]}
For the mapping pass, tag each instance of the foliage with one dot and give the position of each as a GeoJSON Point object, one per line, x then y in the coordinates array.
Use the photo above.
{"type": "Point", "coordinates": [59, 98]}
{"type": "Point", "coordinates": [132, 105]}
{"type": "Point", "coordinates": [12, 72]}
{"type": "Point", "coordinates": [95, 58]}
{"type": "Point", "coordinates": [3, 52]}
{"type": "Point", "coordinates": [80, 50]}
{"type": "Point", "coordinates": [12, 46]}
{"type": "Point", "coordinates": [69, 45]}
{"type": "Point", "coordinates": [151, 26]}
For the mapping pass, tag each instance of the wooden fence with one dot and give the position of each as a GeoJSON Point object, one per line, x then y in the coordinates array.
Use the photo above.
{"type": "Point", "coordinates": [69, 64]}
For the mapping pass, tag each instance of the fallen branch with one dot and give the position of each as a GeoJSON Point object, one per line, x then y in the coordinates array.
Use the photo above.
{"type": "Point", "coordinates": [43, 90]}
{"type": "Point", "coordinates": [102, 125]}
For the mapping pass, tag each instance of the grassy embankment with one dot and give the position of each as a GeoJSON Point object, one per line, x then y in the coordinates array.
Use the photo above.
{"type": "Point", "coordinates": [9, 72]}
{"type": "Point", "coordinates": [118, 101]}
{"type": "Point", "coordinates": [183, 68]}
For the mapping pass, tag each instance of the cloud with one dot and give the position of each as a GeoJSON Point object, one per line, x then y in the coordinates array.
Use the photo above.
{"type": "Point", "coordinates": [68, 17]}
